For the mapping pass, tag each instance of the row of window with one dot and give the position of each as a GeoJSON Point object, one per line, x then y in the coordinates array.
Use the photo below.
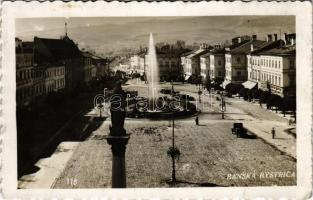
{"type": "Point", "coordinates": [229, 74]}
{"type": "Point", "coordinates": [30, 73]}
{"type": "Point", "coordinates": [168, 63]}
{"type": "Point", "coordinates": [28, 92]}
{"type": "Point", "coordinates": [273, 79]}
{"type": "Point", "coordinates": [219, 73]}
{"type": "Point", "coordinates": [58, 71]}
{"type": "Point", "coordinates": [24, 60]}
{"type": "Point", "coordinates": [167, 66]}
{"type": "Point", "coordinates": [238, 60]}
{"type": "Point", "coordinates": [267, 62]}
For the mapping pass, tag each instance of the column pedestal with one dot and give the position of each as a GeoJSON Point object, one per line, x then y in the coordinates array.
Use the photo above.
{"type": "Point", "coordinates": [118, 147]}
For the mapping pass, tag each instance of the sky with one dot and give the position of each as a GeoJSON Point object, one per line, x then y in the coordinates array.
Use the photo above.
{"type": "Point", "coordinates": [107, 34]}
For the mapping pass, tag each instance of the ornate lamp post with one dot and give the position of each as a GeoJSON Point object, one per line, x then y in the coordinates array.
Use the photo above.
{"type": "Point", "coordinates": [199, 90]}
{"type": "Point", "coordinates": [118, 138]}
{"type": "Point", "coordinates": [173, 151]}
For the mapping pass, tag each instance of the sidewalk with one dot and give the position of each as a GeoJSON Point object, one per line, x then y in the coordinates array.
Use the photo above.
{"type": "Point", "coordinates": [258, 121]}
{"type": "Point", "coordinates": [282, 141]}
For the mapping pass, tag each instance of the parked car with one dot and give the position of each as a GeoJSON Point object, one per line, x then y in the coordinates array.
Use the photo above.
{"type": "Point", "coordinates": [239, 130]}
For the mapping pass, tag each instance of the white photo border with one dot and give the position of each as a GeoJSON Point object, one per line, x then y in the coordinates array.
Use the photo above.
{"type": "Point", "coordinates": [19, 9]}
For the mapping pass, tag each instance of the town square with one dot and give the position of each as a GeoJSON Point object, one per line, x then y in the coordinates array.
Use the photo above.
{"type": "Point", "coordinates": [154, 102]}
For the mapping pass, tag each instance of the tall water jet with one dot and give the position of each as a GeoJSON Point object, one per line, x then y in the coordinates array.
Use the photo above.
{"type": "Point", "coordinates": [153, 71]}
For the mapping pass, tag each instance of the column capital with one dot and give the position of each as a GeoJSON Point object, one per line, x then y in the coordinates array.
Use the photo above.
{"type": "Point", "coordinates": [118, 144]}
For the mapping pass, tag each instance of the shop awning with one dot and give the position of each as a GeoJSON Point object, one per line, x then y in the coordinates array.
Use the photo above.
{"type": "Point", "coordinates": [225, 83]}
{"type": "Point", "coordinates": [249, 84]}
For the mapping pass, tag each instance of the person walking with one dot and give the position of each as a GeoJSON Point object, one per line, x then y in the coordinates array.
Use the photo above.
{"type": "Point", "coordinates": [273, 133]}
{"type": "Point", "coordinates": [197, 120]}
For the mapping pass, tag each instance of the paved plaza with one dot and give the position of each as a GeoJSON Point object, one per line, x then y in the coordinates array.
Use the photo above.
{"type": "Point", "coordinates": [210, 154]}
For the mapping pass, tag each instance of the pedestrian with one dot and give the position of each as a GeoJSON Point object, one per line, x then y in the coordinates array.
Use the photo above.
{"type": "Point", "coordinates": [273, 133]}
{"type": "Point", "coordinates": [197, 120]}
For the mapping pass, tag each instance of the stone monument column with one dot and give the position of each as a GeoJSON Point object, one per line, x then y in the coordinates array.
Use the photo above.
{"type": "Point", "coordinates": [117, 137]}
{"type": "Point", "coordinates": [118, 146]}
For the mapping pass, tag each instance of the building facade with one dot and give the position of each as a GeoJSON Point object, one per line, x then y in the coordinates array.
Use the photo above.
{"type": "Point", "coordinates": [90, 70]}
{"type": "Point", "coordinates": [274, 69]}
{"type": "Point", "coordinates": [217, 64]}
{"type": "Point", "coordinates": [273, 66]}
{"type": "Point", "coordinates": [61, 51]}
{"type": "Point", "coordinates": [137, 63]}
{"type": "Point", "coordinates": [205, 66]}
{"type": "Point", "coordinates": [169, 61]}
{"type": "Point", "coordinates": [193, 63]}
{"type": "Point", "coordinates": [54, 78]}
{"type": "Point", "coordinates": [24, 78]}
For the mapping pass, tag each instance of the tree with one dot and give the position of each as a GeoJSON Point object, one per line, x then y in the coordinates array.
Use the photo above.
{"type": "Point", "coordinates": [264, 96]}
{"type": "Point", "coordinates": [256, 93]}
{"type": "Point", "coordinates": [288, 104]}
{"type": "Point", "coordinates": [233, 88]}
{"type": "Point", "coordinates": [245, 93]}
{"type": "Point", "coordinates": [274, 101]}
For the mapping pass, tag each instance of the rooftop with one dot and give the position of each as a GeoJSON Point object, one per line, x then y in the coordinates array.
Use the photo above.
{"type": "Point", "coordinates": [58, 49]}
{"type": "Point", "coordinates": [246, 47]}
{"type": "Point", "coordinates": [284, 51]}
{"type": "Point", "coordinates": [197, 53]}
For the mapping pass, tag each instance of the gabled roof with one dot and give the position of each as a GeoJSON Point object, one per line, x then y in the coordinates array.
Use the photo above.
{"type": "Point", "coordinates": [279, 52]}
{"type": "Point", "coordinates": [188, 53]}
{"type": "Point", "coordinates": [206, 55]}
{"type": "Point", "coordinates": [217, 51]}
{"type": "Point", "coordinates": [58, 49]}
{"type": "Point", "coordinates": [26, 47]}
{"type": "Point", "coordinates": [246, 47]}
{"type": "Point", "coordinates": [197, 53]}
{"type": "Point", "coordinates": [268, 46]}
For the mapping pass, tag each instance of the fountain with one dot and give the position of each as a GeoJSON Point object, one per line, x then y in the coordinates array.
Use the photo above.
{"type": "Point", "coordinates": [153, 71]}
{"type": "Point", "coordinates": [157, 105]}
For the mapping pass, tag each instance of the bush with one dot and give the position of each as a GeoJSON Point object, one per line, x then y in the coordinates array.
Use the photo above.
{"type": "Point", "coordinates": [264, 95]}
{"type": "Point", "coordinates": [256, 93]}
{"type": "Point", "coordinates": [288, 103]}
{"type": "Point", "coordinates": [274, 100]}
{"type": "Point", "coordinates": [233, 88]}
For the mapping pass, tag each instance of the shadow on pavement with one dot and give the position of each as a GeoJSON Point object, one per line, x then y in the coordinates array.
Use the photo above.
{"type": "Point", "coordinates": [77, 130]}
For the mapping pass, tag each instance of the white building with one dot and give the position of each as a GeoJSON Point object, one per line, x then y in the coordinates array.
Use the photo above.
{"type": "Point", "coordinates": [137, 63]}
{"type": "Point", "coordinates": [193, 63]}
{"type": "Point", "coordinates": [217, 64]}
{"type": "Point", "coordinates": [273, 66]}
{"type": "Point", "coordinates": [236, 61]}
{"type": "Point", "coordinates": [205, 66]}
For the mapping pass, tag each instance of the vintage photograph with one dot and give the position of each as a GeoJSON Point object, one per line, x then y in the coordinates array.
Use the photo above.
{"type": "Point", "coordinates": [156, 102]}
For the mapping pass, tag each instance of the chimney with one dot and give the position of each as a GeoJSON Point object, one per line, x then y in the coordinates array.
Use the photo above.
{"type": "Point", "coordinates": [275, 37]}
{"type": "Point", "coordinates": [292, 41]}
{"type": "Point", "coordinates": [286, 38]}
{"type": "Point", "coordinates": [251, 47]}
{"type": "Point", "coordinates": [269, 37]}
{"type": "Point", "coordinates": [239, 39]}
{"type": "Point", "coordinates": [254, 37]}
